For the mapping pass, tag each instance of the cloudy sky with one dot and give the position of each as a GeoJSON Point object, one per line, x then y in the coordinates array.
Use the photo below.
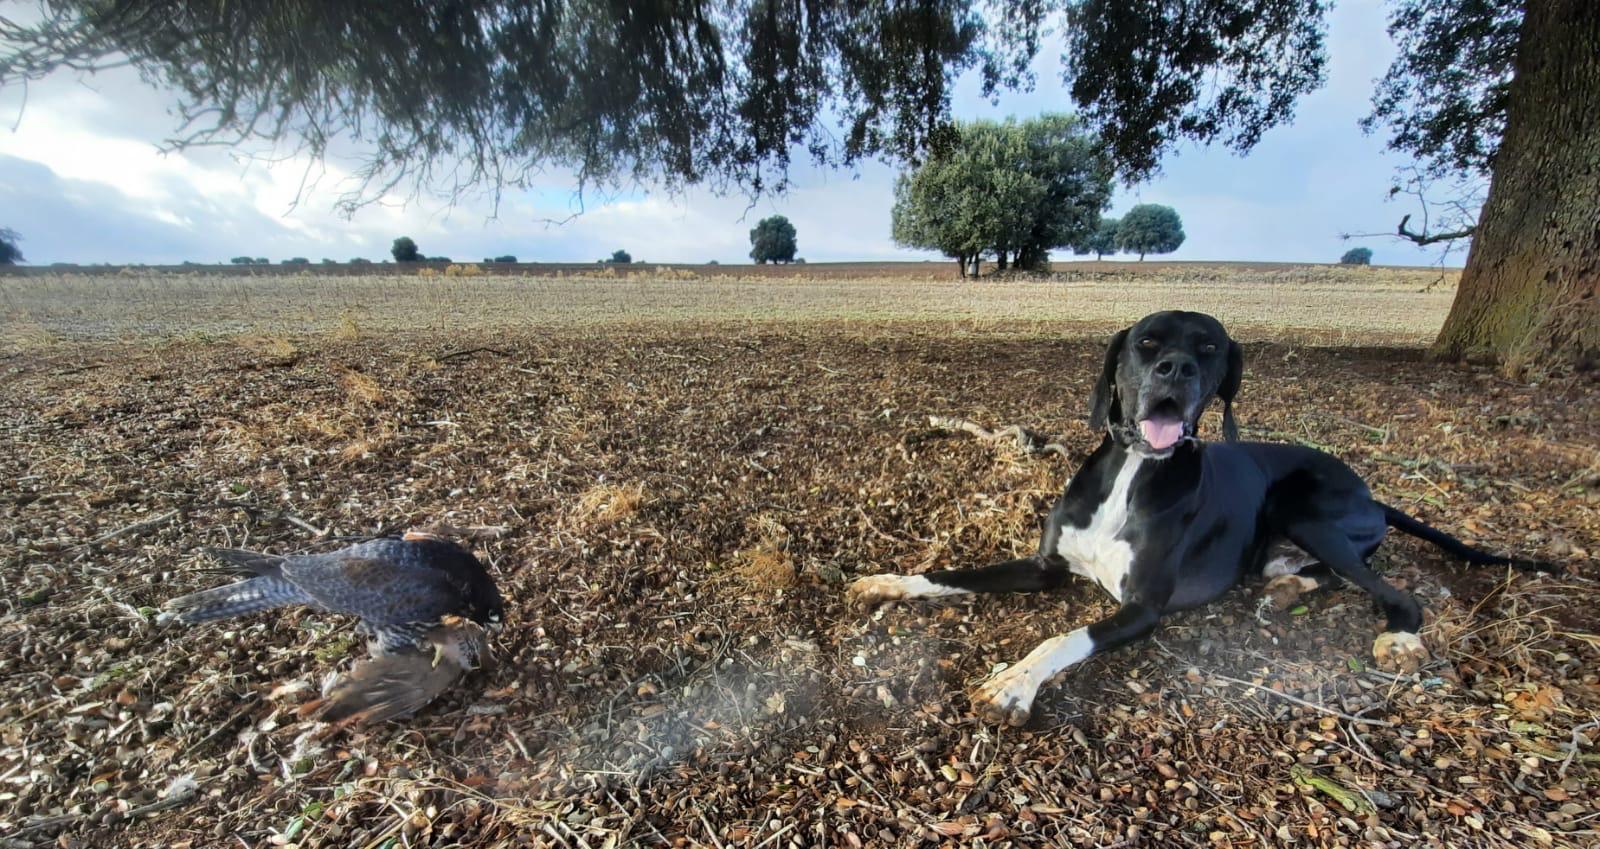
{"type": "Point", "coordinates": [82, 180]}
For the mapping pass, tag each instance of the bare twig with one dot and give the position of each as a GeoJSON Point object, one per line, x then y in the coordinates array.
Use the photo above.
{"type": "Point", "coordinates": [1302, 702]}
{"type": "Point", "coordinates": [1027, 441]}
{"type": "Point", "coordinates": [128, 529]}
{"type": "Point", "coordinates": [469, 352]}
{"type": "Point", "coordinates": [304, 525]}
{"type": "Point", "coordinates": [1572, 750]}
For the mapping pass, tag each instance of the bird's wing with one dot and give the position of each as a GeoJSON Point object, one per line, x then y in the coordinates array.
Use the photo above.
{"type": "Point", "coordinates": [379, 591]}
{"type": "Point", "coordinates": [389, 686]}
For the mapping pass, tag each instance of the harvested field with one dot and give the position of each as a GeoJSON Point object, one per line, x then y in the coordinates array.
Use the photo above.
{"type": "Point", "coordinates": [1323, 303]}
{"type": "Point", "coordinates": [672, 508]}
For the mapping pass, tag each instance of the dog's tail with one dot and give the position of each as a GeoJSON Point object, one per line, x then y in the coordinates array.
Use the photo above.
{"type": "Point", "coordinates": [1477, 557]}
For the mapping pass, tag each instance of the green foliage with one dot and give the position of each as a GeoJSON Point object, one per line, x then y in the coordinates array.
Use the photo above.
{"type": "Point", "coordinates": [1147, 75]}
{"type": "Point", "coordinates": [1018, 190]}
{"type": "Point", "coordinates": [772, 240]}
{"type": "Point", "coordinates": [619, 257]}
{"type": "Point", "coordinates": [360, 261]}
{"type": "Point", "coordinates": [683, 93]}
{"type": "Point", "coordinates": [328, 261]}
{"type": "Point", "coordinates": [243, 260]}
{"type": "Point", "coordinates": [261, 260]}
{"type": "Point", "coordinates": [297, 260]}
{"type": "Point", "coordinates": [437, 259]}
{"type": "Point", "coordinates": [1101, 242]}
{"type": "Point", "coordinates": [1150, 228]}
{"type": "Point", "coordinates": [10, 254]}
{"type": "Point", "coordinates": [405, 250]}
{"type": "Point", "coordinates": [680, 92]}
{"type": "Point", "coordinates": [1446, 94]}
{"type": "Point", "coordinates": [502, 258]}
{"type": "Point", "coordinates": [1356, 256]}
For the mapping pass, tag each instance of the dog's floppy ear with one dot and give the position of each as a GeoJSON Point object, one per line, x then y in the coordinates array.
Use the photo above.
{"type": "Point", "coordinates": [1105, 390]}
{"type": "Point", "coordinates": [1230, 388]}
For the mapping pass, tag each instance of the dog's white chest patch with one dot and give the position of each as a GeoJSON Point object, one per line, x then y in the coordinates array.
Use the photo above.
{"type": "Point", "coordinates": [1095, 552]}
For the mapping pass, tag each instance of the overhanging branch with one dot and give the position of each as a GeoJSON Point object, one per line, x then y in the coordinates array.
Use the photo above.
{"type": "Point", "coordinates": [1431, 238]}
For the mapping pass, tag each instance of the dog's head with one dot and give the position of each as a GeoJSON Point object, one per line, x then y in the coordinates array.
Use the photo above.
{"type": "Point", "coordinates": [1160, 375]}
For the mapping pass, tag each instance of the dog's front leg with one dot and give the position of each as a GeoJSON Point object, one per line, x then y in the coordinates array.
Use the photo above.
{"type": "Point", "coordinates": [1007, 695]}
{"type": "Point", "coordinates": [1022, 575]}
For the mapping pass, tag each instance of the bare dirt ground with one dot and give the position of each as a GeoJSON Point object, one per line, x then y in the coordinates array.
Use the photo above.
{"type": "Point", "coordinates": [680, 504]}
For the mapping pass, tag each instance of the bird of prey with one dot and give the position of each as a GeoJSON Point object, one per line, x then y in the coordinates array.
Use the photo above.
{"type": "Point", "coordinates": [424, 601]}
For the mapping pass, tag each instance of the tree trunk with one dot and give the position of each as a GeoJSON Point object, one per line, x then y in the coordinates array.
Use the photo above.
{"type": "Point", "coordinates": [977, 265]}
{"type": "Point", "coordinates": [1530, 294]}
{"type": "Point", "coordinates": [961, 263]}
{"type": "Point", "coordinates": [1000, 259]}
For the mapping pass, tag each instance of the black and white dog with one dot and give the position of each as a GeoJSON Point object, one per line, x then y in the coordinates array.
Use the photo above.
{"type": "Point", "coordinates": [1165, 522]}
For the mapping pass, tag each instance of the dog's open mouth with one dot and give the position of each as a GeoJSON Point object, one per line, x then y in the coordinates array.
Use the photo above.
{"type": "Point", "coordinates": [1164, 426]}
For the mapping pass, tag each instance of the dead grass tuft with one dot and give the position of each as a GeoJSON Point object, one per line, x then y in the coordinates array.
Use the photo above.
{"type": "Point", "coordinates": [270, 351]}
{"type": "Point", "coordinates": [767, 564]}
{"type": "Point", "coordinates": [467, 270]}
{"type": "Point", "coordinates": [348, 330]}
{"type": "Point", "coordinates": [360, 387]}
{"type": "Point", "coordinates": [606, 504]}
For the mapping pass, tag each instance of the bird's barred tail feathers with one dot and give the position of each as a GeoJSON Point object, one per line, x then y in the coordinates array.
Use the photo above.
{"type": "Point", "coordinates": [235, 599]}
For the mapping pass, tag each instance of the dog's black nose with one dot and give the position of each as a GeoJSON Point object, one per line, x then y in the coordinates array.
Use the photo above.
{"type": "Point", "coordinates": [1177, 367]}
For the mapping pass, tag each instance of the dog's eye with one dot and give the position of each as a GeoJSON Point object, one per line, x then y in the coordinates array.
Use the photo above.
{"type": "Point", "coordinates": [1147, 343]}
{"type": "Point", "coordinates": [1208, 348]}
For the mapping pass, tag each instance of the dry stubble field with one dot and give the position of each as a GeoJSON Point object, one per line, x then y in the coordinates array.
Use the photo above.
{"type": "Point", "coordinates": [672, 480]}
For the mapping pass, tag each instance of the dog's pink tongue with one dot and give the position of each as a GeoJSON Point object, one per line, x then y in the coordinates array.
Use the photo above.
{"type": "Point", "coordinates": [1162, 433]}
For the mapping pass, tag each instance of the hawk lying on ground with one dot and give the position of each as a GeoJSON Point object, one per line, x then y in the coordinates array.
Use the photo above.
{"type": "Point", "coordinates": [424, 602]}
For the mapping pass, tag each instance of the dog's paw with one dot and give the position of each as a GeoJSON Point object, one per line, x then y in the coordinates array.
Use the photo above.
{"type": "Point", "coordinates": [1006, 696]}
{"type": "Point", "coordinates": [1399, 651]}
{"type": "Point", "coordinates": [1283, 591]}
{"type": "Point", "coordinates": [874, 590]}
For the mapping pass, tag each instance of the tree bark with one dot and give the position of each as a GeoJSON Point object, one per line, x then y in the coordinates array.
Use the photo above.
{"type": "Point", "coordinates": [1530, 293]}
{"type": "Point", "coordinates": [961, 263]}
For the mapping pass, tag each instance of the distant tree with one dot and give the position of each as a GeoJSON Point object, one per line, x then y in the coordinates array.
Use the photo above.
{"type": "Point", "coordinates": [296, 260]}
{"type": "Point", "coordinates": [261, 260]}
{"type": "Point", "coordinates": [619, 257]}
{"type": "Point", "coordinates": [713, 262]}
{"type": "Point", "coordinates": [772, 240]}
{"type": "Point", "coordinates": [242, 260]}
{"type": "Point", "coordinates": [799, 260]}
{"type": "Point", "coordinates": [1356, 256]}
{"type": "Point", "coordinates": [503, 258]}
{"type": "Point", "coordinates": [438, 259]}
{"type": "Point", "coordinates": [1015, 190]}
{"type": "Point", "coordinates": [358, 260]}
{"type": "Point", "coordinates": [1102, 241]}
{"type": "Point", "coordinates": [405, 250]}
{"type": "Point", "coordinates": [1150, 228]}
{"type": "Point", "coordinates": [10, 254]}
{"type": "Point", "coordinates": [327, 261]}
